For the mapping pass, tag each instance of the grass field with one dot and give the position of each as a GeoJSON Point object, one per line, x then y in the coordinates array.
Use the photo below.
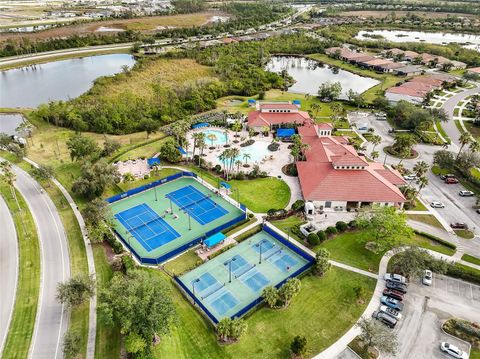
{"type": "Point", "coordinates": [20, 332]}
{"type": "Point", "coordinates": [182, 263]}
{"type": "Point", "coordinates": [329, 303]}
{"type": "Point", "coordinates": [474, 130]}
{"type": "Point", "coordinates": [471, 259]}
{"type": "Point", "coordinates": [108, 339]}
{"type": "Point", "coordinates": [425, 218]}
{"type": "Point", "coordinates": [288, 223]}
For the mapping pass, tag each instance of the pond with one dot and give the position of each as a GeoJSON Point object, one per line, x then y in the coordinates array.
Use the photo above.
{"type": "Point", "coordinates": [466, 40]}
{"type": "Point", "coordinates": [9, 122]}
{"type": "Point", "coordinates": [31, 86]}
{"type": "Point", "coordinates": [309, 75]}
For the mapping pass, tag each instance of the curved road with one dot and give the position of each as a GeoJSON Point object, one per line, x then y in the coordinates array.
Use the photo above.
{"type": "Point", "coordinates": [8, 270]}
{"type": "Point", "coordinates": [51, 321]}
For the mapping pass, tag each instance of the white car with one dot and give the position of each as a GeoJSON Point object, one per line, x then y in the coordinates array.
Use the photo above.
{"type": "Point", "coordinates": [391, 312]}
{"type": "Point", "coordinates": [397, 278]}
{"type": "Point", "coordinates": [409, 177]}
{"type": "Point", "coordinates": [436, 204]}
{"type": "Point", "coordinates": [466, 193]}
{"type": "Point", "coordinates": [427, 277]}
{"type": "Point", "coordinates": [453, 351]}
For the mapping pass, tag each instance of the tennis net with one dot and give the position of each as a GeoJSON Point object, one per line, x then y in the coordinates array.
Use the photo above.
{"type": "Point", "coordinates": [183, 207]}
{"type": "Point", "coordinates": [214, 290]}
{"type": "Point", "coordinates": [272, 254]}
{"type": "Point", "coordinates": [245, 271]}
{"type": "Point", "coordinates": [144, 224]}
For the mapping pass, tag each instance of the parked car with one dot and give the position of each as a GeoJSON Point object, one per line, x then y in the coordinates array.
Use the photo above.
{"type": "Point", "coordinates": [393, 294]}
{"type": "Point", "coordinates": [453, 350]}
{"type": "Point", "coordinates": [466, 193]}
{"type": "Point", "coordinates": [478, 211]}
{"type": "Point", "coordinates": [392, 303]}
{"type": "Point", "coordinates": [391, 312]}
{"type": "Point", "coordinates": [444, 177]}
{"type": "Point", "coordinates": [451, 180]}
{"type": "Point", "coordinates": [399, 287]}
{"type": "Point", "coordinates": [427, 277]}
{"type": "Point", "coordinates": [397, 278]}
{"type": "Point", "coordinates": [436, 204]}
{"type": "Point", "coordinates": [386, 319]}
{"type": "Point", "coordinates": [459, 225]}
{"type": "Point", "coordinates": [409, 177]}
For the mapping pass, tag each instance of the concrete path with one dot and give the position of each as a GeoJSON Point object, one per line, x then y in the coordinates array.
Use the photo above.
{"type": "Point", "coordinates": [8, 270]}
{"type": "Point", "coordinates": [51, 321]}
{"type": "Point", "coordinates": [92, 322]}
{"type": "Point", "coordinates": [449, 106]}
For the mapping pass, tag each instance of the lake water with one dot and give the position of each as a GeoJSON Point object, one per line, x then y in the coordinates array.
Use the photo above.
{"type": "Point", "coordinates": [467, 40]}
{"type": "Point", "coordinates": [309, 75]}
{"type": "Point", "coordinates": [9, 122]}
{"type": "Point", "coordinates": [60, 80]}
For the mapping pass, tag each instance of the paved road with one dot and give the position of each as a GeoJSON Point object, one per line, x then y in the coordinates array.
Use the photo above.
{"type": "Point", "coordinates": [51, 322]}
{"type": "Point", "coordinates": [8, 269]}
{"type": "Point", "coordinates": [449, 106]}
{"type": "Point", "coordinates": [426, 308]}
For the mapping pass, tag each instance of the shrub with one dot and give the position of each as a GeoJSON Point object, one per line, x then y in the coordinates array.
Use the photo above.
{"type": "Point", "coordinates": [146, 176]}
{"type": "Point", "coordinates": [299, 346]}
{"type": "Point", "coordinates": [341, 226]}
{"type": "Point", "coordinates": [313, 239]}
{"type": "Point", "coordinates": [114, 243]}
{"type": "Point", "coordinates": [128, 264]}
{"type": "Point", "coordinates": [218, 168]}
{"type": "Point", "coordinates": [247, 143]}
{"type": "Point", "coordinates": [250, 215]}
{"type": "Point", "coordinates": [436, 239]}
{"type": "Point", "coordinates": [353, 224]}
{"type": "Point", "coordinates": [296, 231]}
{"type": "Point", "coordinates": [321, 236]}
{"type": "Point", "coordinates": [240, 176]}
{"type": "Point", "coordinates": [330, 231]}
{"type": "Point", "coordinates": [462, 272]}
{"type": "Point", "coordinates": [298, 205]}
{"type": "Point", "coordinates": [273, 147]}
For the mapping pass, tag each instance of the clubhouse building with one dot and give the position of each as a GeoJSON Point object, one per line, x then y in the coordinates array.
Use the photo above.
{"type": "Point", "coordinates": [277, 115]}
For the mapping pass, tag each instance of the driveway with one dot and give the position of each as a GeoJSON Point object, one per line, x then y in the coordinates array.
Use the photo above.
{"type": "Point", "coordinates": [426, 308]}
{"type": "Point", "coordinates": [8, 269]}
{"type": "Point", "coordinates": [51, 321]}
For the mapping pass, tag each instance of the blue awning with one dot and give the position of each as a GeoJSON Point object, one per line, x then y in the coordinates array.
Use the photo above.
{"type": "Point", "coordinates": [214, 240]}
{"type": "Point", "coordinates": [154, 161]}
{"type": "Point", "coordinates": [182, 150]}
{"type": "Point", "coordinates": [225, 184]}
{"type": "Point", "coordinates": [296, 102]}
{"type": "Point", "coordinates": [285, 132]}
{"type": "Point", "coordinates": [251, 100]}
{"type": "Point", "coordinates": [200, 125]}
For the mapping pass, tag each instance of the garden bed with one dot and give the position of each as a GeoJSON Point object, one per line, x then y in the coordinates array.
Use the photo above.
{"type": "Point", "coordinates": [389, 150]}
{"type": "Point", "coordinates": [290, 170]}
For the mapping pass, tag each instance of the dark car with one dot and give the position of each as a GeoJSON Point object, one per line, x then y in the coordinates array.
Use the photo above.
{"type": "Point", "coordinates": [459, 225]}
{"type": "Point", "coordinates": [451, 180]}
{"type": "Point", "coordinates": [392, 303]}
{"type": "Point", "coordinates": [399, 287]}
{"type": "Point", "coordinates": [386, 319]}
{"type": "Point", "coordinates": [393, 294]}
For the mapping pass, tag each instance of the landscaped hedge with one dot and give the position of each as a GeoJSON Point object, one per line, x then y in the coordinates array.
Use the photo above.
{"type": "Point", "coordinates": [249, 233]}
{"type": "Point", "coordinates": [114, 243]}
{"type": "Point", "coordinates": [436, 239]}
{"type": "Point", "coordinates": [224, 249]}
{"type": "Point", "coordinates": [463, 329]}
{"type": "Point", "coordinates": [463, 272]}
{"type": "Point", "coordinates": [247, 143]}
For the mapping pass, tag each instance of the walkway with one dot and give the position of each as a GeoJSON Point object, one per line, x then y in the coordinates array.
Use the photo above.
{"type": "Point", "coordinates": [51, 321]}
{"type": "Point", "coordinates": [449, 106]}
{"type": "Point", "coordinates": [8, 269]}
{"type": "Point", "coordinates": [92, 322]}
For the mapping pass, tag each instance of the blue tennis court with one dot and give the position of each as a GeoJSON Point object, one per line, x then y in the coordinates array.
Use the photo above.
{"type": "Point", "coordinates": [201, 207]}
{"type": "Point", "coordinates": [254, 280]}
{"type": "Point", "coordinates": [223, 301]}
{"type": "Point", "coordinates": [283, 261]}
{"type": "Point", "coordinates": [150, 230]}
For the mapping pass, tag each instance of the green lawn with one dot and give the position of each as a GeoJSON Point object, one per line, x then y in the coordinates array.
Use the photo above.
{"type": "Point", "coordinates": [182, 263]}
{"type": "Point", "coordinates": [442, 131]}
{"type": "Point", "coordinates": [465, 233]}
{"type": "Point", "coordinates": [471, 259]}
{"type": "Point", "coordinates": [287, 223]}
{"type": "Point", "coordinates": [347, 248]}
{"type": "Point", "coordinates": [419, 206]}
{"type": "Point", "coordinates": [20, 332]}
{"type": "Point", "coordinates": [429, 219]}
{"type": "Point", "coordinates": [149, 149]}
{"type": "Point", "coordinates": [164, 172]}
{"type": "Point", "coordinates": [240, 227]}
{"type": "Point", "coordinates": [323, 311]}
{"type": "Point", "coordinates": [108, 340]}
{"type": "Point", "coordinates": [474, 130]}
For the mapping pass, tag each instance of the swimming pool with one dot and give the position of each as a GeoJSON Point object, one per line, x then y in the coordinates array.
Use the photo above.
{"type": "Point", "coordinates": [257, 151]}
{"type": "Point", "coordinates": [216, 137]}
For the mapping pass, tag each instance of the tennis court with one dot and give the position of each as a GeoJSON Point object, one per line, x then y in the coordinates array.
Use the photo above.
{"type": "Point", "coordinates": [231, 283]}
{"type": "Point", "coordinates": [200, 206]}
{"type": "Point", "coordinates": [156, 228]}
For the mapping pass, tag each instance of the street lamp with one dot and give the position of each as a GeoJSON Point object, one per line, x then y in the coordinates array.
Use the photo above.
{"type": "Point", "coordinates": [230, 269]}
{"type": "Point", "coordinates": [155, 190]}
{"type": "Point", "coordinates": [193, 287]}
{"type": "Point", "coordinates": [171, 207]}
{"type": "Point", "coordinates": [259, 244]}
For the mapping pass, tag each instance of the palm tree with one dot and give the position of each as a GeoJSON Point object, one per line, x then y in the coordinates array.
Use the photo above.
{"type": "Point", "coordinates": [9, 177]}
{"type": "Point", "coordinates": [420, 168]}
{"type": "Point", "coordinates": [201, 145]}
{"type": "Point", "coordinates": [422, 182]}
{"type": "Point", "coordinates": [374, 155]}
{"type": "Point", "coordinates": [238, 163]}
{"type": "Point", "coordinates": [196, 137]}
{"type": "Point", "coordinates": [237, 127]}
{"type": "Point", "coordinates": [234, 153]}
{"type": "Point", "coordinates": [375, 140]}
{"type": "Point", "coordinates": [226, 133]}
{"type": "Point", "coordinates": [474, 146]}
{"type": "Point", "coordinates": [464, 140]}
{"type": "Point", "coordinates": [251, 132]}
{"type": "Point", "coordinates": [246, 157]}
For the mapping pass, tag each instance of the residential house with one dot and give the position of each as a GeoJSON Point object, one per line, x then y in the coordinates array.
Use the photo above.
{"type": "Point", "coordinates": [277, 115]}
{"type": "Point", "coordinates": [411, 70]}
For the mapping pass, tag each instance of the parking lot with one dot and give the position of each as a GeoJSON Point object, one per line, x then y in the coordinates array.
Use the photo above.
{"type": "Point", "coordinates": [426, 308]}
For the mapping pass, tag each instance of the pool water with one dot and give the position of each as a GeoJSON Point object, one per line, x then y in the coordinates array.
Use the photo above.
{"type": "Point", "coordinates": [257, 151]}
{"type": "Point", "coordinates": [216, 137]}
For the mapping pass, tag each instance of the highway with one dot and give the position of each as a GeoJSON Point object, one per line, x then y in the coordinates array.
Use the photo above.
{"type": "Point", "coordinates": [52, 320]}
{"type": "Point", "coordinates": [8, 269]}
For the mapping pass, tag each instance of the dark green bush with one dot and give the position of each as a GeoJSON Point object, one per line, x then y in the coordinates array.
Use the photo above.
{"type": "Point", "coordinates": [330, 231]}
{"type": "Point", "coordinates": [114, 243]}
{"type": "Point", "coordinates": [341, 226]}
{"type": "Point", "coordinates": [298, 205]}
{"type": "Point", "coordinates": [352, 224]}
{"type": "Point", "coordinates": [321, 236]}
{"type": "Point", "coordinates": [128, 264]}
{"type": "Point", "coordinates": [436, 239]}
{"type": "Point", "coordinates": [313, 239]}
{"type": "Point", "coordinates": [462, 272]}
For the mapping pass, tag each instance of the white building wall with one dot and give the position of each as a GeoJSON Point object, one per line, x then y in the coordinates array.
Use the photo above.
{"type": "Point", "coordinates": [395, 97]}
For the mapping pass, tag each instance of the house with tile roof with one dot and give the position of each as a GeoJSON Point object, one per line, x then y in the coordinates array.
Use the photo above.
{"type": "Point", "coordinates": [336, 178]}
{"type": "Point", "coordinates": [277, 115]}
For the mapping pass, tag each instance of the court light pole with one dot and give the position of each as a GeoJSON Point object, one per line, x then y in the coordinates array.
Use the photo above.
{"type": "Point", "coordinates": [230, 269]}
{"type": "Point", "coordinates": [193, 286]}
{"type": "Point", "coordinates": [260, 251]}
{"type": "Point", "coordinates": [189, 222]}
{"type": "Point", "coordinates": [155, 190]}
{"type": "Point", "coordinates": [171, 206]}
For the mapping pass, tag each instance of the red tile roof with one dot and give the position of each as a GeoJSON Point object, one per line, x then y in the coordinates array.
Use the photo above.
{"type": "Point", "coordinates": [325, 126]}
{"type": "Point", "coordinates": [259, 119]}
{"type": "Point", "coordinates": [320, 181]}
{"type": "Point", "coordinates": [475, 70]}
{"type": "Point", "coordinates": [278, 106]}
